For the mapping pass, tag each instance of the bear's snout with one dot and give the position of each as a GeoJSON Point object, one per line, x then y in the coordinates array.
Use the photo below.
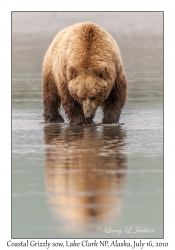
{"type": "Point", "coordinates": [89, 111]}
{"type": "Point", "coordinates": [89, 116]}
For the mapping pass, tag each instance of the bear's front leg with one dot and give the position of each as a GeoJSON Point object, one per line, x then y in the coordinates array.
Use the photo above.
{"type": "Point", "coordinates": [111, 113]}
{"type": "Point", "coordinates": [73, 110]}
{"type": "Point", "coordinates": [76, 118]}
{"type": "Point", "coordinates": [112, 106]}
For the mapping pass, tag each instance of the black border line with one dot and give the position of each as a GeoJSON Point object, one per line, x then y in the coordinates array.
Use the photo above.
{"type": "Point", "coordinates": [163, 136]}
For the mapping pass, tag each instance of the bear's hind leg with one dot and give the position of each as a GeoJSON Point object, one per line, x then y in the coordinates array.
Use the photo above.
{"type": "Point", "coordinates": [51, 100]}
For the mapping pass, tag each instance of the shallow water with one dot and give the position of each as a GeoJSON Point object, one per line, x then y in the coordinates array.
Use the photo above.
{"type": "Point", "coordinates": [88, 181]}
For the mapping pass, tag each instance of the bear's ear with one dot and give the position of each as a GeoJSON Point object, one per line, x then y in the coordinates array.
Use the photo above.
{"type": "Point", "coordinates": [102, 71]}
{"type": "Point", "coordinates": [71, 72]}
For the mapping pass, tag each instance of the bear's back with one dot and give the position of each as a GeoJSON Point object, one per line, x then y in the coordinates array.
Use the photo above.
{"type": "Point", "coordinates": [84, 36]}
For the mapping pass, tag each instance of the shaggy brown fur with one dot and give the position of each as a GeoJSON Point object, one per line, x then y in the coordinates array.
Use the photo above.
{"type": "Point", "coordinates": [83, 70]}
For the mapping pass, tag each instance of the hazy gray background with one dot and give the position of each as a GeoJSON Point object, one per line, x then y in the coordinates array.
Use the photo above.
{"type": "Point", "coordinates": [118, 23]}
{"type": "Point", "coordinates": [68, 180]}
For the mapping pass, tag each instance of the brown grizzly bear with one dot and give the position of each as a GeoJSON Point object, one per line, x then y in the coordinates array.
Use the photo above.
{"type": "Point", "coordinates": [83, 70]}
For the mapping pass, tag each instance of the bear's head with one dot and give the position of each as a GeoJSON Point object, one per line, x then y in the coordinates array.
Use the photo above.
{"type": "Point", "coordinates": [90, 86]}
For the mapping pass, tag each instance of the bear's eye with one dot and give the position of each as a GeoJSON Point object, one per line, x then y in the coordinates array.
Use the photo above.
{"type": "Point", "coordinates": [93, 98]}
{"type": "Point", "coordinates": [74, 96]}
{"type": "Point", "coordinates": [101, 74]}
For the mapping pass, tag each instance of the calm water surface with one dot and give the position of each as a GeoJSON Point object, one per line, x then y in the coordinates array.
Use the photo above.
{"type": "Point", "coordinates": [88, 181]}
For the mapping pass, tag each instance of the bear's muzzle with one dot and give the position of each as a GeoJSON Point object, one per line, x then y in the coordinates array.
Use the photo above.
{"type": "Point", "coordinates": [89, 111]}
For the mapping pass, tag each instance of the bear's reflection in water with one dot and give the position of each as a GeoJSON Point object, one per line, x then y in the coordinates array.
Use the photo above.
{"type": "Point", "coordinates": [85, 169]}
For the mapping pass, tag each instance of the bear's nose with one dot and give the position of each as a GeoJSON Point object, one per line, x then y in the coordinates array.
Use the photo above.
{"type": "Point", "coordinates": [89, 116]}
